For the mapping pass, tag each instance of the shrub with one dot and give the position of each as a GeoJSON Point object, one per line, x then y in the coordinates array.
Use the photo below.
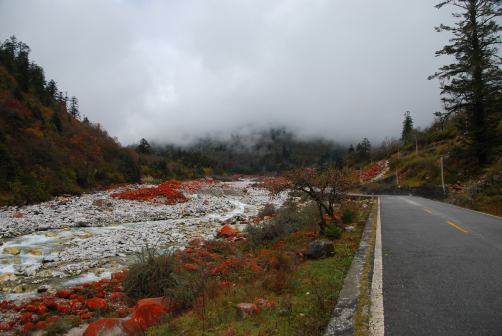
{"type": "Point", "coordinates": [268, 210]}
{"type": "Point", "coordinates": [281, 267]}
{"type": "Point", "coordinates": [265, 233]}
{"type": "Point", "coordinates": [287, 220]}
{"type": "Point", "coordinates": [333, 232]}
{"type": "Point", "coordinates": [61, 326]}
{"type": "Point", "coordinates": [347, 216]}
{"type": "Point", "coordinates": [161, 275]}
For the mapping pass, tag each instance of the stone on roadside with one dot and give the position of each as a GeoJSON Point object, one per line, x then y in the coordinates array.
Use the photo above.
{"type": "Point", "coordinates": [247, 309]}
{"type": "Point", "coordinates": [350, 228]}
{"type": "Point", "coordinates": [319, 249]}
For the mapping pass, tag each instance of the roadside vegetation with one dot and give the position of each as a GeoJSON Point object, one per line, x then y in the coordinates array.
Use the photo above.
{"type": "Point", "coordinates": [415, 167]}
{"type": "Point", "coordinates": [260, 285]}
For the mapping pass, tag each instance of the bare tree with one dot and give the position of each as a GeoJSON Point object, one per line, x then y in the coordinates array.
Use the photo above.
{"type": "Point", "coordinates": [326, 188]}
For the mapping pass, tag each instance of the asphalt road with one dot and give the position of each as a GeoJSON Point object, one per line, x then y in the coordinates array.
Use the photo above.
{"type": "Point", "coordinates": [442, 269]}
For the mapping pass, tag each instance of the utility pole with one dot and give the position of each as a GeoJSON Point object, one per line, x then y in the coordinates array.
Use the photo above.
{"type": "Point", "coordinates": [442, 175]}
{"type": "Point", "coordinates": [397, 178]}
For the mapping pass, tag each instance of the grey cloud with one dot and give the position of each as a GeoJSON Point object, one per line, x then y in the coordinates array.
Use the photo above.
{"type": "Point", "coordinates": [176, 70]}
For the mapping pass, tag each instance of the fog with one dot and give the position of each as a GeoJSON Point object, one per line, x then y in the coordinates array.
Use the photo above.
{"type": "Point", "coordinates": [173, 71]}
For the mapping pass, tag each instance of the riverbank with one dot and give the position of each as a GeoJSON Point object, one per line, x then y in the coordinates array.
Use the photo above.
{"type": "Point", "coordinates": [71, 240]}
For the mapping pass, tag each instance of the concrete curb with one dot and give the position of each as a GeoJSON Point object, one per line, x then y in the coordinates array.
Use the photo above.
{"type": "Point", "coordinates": [342, 320]}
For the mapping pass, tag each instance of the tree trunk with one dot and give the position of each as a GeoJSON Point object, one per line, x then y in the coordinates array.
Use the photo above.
{"type": "Point", "coordinates": [322, 222]}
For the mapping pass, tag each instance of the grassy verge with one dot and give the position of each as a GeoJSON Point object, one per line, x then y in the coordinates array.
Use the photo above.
{"type": "Point", "coordinates": [292, 296]}
{"type": "Point", "coordinates": [362, 315]}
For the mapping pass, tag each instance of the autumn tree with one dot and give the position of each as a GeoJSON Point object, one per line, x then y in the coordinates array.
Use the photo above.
{"type": "Point", "coordinates": [326, 188]}
{"type": "Point", "coordinates": [472, 85]}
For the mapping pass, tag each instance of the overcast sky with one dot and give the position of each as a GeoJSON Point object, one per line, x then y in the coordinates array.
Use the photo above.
{"type": "Point", "coordinates": [173, 70]}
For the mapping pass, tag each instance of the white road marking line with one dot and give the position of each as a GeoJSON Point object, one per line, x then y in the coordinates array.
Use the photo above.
{"type": "Point", "coordinates": [377, 326]}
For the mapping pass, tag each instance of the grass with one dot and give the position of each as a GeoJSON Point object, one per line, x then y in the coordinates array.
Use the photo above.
{"type": "Point", "coordinates": [303, 293]}
{"type": "Point", "coordinates": [362, 315]}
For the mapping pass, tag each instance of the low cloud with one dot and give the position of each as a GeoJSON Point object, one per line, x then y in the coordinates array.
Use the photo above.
{"type": "Point", "coordinates": [172, 71]}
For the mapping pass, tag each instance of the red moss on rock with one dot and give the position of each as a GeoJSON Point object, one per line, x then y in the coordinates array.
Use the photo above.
{"type": "Point", "coordinates": [97, 304]}
{"type": "Point", "coordinates": [227, 231]}
{"type": "Point", "coordinates": [146, 313]}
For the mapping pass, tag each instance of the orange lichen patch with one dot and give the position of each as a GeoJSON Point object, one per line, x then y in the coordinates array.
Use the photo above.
{"type": "Point", "coordinates": [227, 231]}
{"type": "Point", "coordinates": [97, 303]}
{"type": "Point", "coordinates": [169, 192]}
{"type": "Point", "coordinates": [166, 193]}
{"type": "Point", "coordinates": [372, 171]}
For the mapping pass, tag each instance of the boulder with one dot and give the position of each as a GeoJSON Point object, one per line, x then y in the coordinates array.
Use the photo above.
{"type": "Point", "coordinates": [12, 250]}
{"type": "Point", "coordinates": [146, 313]}
{"type": "Point", "coordinates": [34, 251]}
{"type": "Point", "coordinates": [226, 231]}
{"type": "Point", "coordinates": [112, 327]}
{"type": "Point", "coordinates": [318, 249]}
{"type": "Point", "coordinates": [96, 303]}
{"type": "Point", "coordinates": [247, 309]}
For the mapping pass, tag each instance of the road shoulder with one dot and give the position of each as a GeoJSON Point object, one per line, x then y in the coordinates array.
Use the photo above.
{"type": "Point", "coordinates": [351, 314]}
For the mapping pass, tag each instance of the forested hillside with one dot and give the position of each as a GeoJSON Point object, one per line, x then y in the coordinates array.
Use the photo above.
{"type": "Point", "coordinates": [46, 148]}
{"type": "Point", "coordinates": [260, 152]}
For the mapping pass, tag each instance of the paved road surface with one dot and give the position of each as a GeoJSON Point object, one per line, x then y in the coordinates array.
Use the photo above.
{"type": "Point", "coordinates": [442, 269]}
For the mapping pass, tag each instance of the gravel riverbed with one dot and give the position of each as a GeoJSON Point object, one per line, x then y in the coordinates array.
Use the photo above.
{"type": "Point", "coordinates": [81, 238]}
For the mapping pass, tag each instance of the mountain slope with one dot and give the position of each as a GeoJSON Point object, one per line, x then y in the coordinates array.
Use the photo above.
{"type": "Point", "coordinates": [419, 171]}
{"type": "Point", "coordinates": [45, 150]}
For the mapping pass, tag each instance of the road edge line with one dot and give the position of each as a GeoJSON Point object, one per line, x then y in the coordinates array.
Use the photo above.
{"type": "Point", "coordinates": [376, 325]}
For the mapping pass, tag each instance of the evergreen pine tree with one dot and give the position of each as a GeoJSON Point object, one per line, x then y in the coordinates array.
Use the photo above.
{"type": "Point", "coordinates": [407, 127]}
{"type": "Point", "coordinates": [74, 108]}
{"type": "Point", "coordinates": [144, 147]}
{"type": "Point", "coordinates": [472, 85]}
